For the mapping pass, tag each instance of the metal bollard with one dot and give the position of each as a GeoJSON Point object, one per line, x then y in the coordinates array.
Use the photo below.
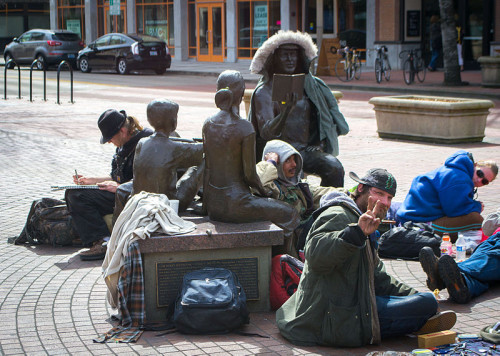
{"type": "Point", "coordinates": [44, 81]}
{"type": "Point", "coordinates": [5, 79]}
{"type": "Point", "coordinates": [58, 74]}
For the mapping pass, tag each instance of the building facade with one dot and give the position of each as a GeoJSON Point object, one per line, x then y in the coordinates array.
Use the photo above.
{"type": "Point", "coordinates": [229, 30]}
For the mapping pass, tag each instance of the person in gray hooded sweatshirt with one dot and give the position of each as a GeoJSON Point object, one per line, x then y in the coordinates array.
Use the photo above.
{"type": "Point", "coordinates": [280, 171]}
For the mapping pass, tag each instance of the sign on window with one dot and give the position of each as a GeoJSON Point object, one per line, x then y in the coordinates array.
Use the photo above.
{"type": "Point", "coordinates": [74, 26]}
{"type": "Point", "coordinates": [259, 25]}
{"type": "Point", "coordinates": [114, 7]}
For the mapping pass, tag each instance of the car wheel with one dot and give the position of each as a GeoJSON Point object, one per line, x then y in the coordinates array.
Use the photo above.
{"type": "Point", "coordinates": [160, 70]}
{"type": "Point", "coordinates": [7, 58]}
{"type": "Point", "coordinates": [122, 66]}
{"type": "Point", "coordinates": [84, 65]}
{"type": "Point", "coordinates": [41, 64]}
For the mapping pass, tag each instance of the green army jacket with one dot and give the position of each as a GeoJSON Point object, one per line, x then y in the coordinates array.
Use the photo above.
{"type": "Point", "coordinates": [335, 301]}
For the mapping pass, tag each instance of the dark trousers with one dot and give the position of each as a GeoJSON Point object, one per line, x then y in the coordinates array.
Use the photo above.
{"type": "Point", "coordinates": [87, 208]}
{"type": "Point", "coordinates": [325, 165]}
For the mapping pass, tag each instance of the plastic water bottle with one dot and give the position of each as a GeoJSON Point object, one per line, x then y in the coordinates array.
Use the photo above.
{"type": "Point", "coordinates": [461, 248]}
{"type": "Point", "coordinates": [446, 246]}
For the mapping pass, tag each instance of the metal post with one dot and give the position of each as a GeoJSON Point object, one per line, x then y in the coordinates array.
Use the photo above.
{"type": "Point", "coordinates": [58, 75]}
{"type": "Point", "coordinates": [7, 65]}
{"type": "Point", "coordinates": [44, 80]}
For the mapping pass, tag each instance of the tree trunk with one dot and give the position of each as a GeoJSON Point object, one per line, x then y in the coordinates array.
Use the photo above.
{"type": "Point", "coordinates": [449, 35]}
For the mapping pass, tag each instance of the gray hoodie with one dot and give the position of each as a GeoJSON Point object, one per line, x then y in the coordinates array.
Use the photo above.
{"type": "Point", "coordinates": [284, 151]}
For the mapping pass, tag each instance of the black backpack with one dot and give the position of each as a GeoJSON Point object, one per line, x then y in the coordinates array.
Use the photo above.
{"type": "Point", "coordinates": [48, 222]}
{"type": "Point", "coordinates": [211, 301]}
{"type": "Point", "coordinates": [406, 241]}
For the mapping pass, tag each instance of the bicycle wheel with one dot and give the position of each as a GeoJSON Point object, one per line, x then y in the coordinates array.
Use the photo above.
{"type": "Point", "coordinates": [408, 72]}
{"type": "Point", "coordinates": [421, 70]}
{"type": "Point", "coordinates": [378, 70]}
{"type": "Point", "coordinates": [341, 71]}
{"type": "Point", "coordinates": [357, 68]}
{"type": "Point", "coordinates": [387, 70]}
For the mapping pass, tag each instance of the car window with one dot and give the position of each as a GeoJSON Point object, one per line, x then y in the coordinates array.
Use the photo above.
{"type": "Point", "coordinates": [37, 36]}
{"type": "Point", "coordinates": [26, 37]}
{"type": "Point", "coordinates": [103, 41]}
{"type": "Point", "coordinates": [65, 36]}
{"type": "Point", "coordinates": [116, 40]}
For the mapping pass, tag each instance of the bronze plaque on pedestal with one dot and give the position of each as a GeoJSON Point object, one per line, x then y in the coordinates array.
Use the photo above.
{"type": "Point", "coordinates": [169, 276]}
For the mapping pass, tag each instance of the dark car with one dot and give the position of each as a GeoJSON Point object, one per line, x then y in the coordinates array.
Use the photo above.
{"type": "Point", "coordinates": [48, 46]}
{"type": "Point", "coordinates": [125, 52]}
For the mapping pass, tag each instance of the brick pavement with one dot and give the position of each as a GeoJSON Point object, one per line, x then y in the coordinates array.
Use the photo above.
{"type": "Point", "coordinates": [53, 303]}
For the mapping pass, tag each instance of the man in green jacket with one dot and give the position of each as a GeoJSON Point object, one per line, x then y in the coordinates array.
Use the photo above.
{"type": "Point", "coordinates": [345, 296]}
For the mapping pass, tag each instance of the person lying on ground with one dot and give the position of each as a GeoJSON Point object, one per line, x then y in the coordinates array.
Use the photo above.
{"type": "Point", "coordinates": [445, 196]}
{"type": "Point", "coordinates": [345, 297]}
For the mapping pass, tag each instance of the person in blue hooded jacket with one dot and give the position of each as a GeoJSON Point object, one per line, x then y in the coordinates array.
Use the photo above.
{"type": "Point", "coordinates": [445, 196]}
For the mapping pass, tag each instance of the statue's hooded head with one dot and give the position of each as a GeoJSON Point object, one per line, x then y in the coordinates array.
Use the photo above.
{"type": "Point", "coordinates": [275, 53]}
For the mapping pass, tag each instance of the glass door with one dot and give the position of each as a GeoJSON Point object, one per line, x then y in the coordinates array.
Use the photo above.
{"type": "Point", "coordinates": [210, 35]}
{"type": "Point", "coordinates": [115, 23]}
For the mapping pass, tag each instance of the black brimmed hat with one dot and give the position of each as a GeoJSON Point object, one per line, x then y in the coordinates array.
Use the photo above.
{"type": "Point", "coordinates": [378, 178]}
{"type": "Point", "coordinates": [110, 122]}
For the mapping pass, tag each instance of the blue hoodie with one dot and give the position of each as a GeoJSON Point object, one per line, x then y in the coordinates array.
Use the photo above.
{"type": "Point", "coordinates": [445, 191]}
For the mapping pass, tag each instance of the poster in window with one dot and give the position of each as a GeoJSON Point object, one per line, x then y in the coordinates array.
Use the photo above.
{"type": "Point", "coordinates": [259, 25]}
{"type": "Point", "coordinates": [413, 23]}
{"type": "Point", "coordinates": [114, 7]}
{"type": "Point", "coordinates": [74, 26]}
{"type": "Point", "coordinates": [157, 28]}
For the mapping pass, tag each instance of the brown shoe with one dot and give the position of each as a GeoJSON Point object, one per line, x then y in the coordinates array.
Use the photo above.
{"type": "Point", "coordinates": [439, 322]}
{"type": "Point", "coordinates": [96, 252]}
{"type": "Point", "coordinates": [429, 262]}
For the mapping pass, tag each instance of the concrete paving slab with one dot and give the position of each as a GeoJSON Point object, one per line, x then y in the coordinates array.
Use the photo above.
{"type": "Point", "coordinates": [53, 303]}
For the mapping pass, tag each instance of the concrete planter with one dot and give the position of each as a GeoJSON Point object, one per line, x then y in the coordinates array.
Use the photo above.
{"type": "Point", "coordinates": [490, 71]}
{"type": "Point", "coordinates": [248, 95]}
{"type": "Point", "coordinates": [431, 119]}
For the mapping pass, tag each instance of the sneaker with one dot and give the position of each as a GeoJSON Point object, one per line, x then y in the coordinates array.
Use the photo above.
{"type": "Point", "coordinates": [439, 322]}
{"type": "Point", "coordinates": [96, 252]}
{"type": "Point", "coordinates": [429, 263]}
{"type": "Point", "coordinates": [452, 277]}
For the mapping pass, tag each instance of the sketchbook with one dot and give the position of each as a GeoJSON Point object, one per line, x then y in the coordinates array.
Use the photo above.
{"type": "Point", "coordinates": [74, 186]}
{"type": "Point", "coordinates": [287, 83]}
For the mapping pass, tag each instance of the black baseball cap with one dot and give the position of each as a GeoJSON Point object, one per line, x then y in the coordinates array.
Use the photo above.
{"type": "Point", "coordinates": [378, 178]}
{"type": "Point", "coordinates": [110, 122]}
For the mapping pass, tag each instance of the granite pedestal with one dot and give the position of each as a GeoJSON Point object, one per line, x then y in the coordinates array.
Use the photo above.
{"type": "Point", "coordinates": [243, 248]}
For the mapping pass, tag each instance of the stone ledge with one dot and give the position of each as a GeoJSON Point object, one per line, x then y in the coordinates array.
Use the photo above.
{"type": "Point", "coordinates": [215, 235]}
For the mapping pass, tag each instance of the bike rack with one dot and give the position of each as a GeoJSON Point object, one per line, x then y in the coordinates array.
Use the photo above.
{"type": "Point", "coordinates": [58, 74]}
{"type": "Point", "coordinates": [44, 80]}
{"type": "Point", "coordinates": [5, 78]}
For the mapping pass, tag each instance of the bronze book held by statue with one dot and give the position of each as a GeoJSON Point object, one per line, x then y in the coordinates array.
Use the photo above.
{"type": "Point", "coordinates": [287, 83]}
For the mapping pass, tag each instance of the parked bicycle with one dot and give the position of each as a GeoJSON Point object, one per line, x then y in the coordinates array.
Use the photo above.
{"type": "Point", "coordinates": [413, 65]}
{"type": "Point", "coordinates": [382, 64]}
{"type": "Point", "coordinates": [349, 65]}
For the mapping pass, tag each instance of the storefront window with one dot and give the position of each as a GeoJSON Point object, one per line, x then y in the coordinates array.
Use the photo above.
{"type": "Point", "coordinates": [257, 21]}
{"type": "Point", "coordinates": [352, 22]}
{"type": "Point", "coordinates": [156, 18]}
{"type": "Point", "coordinates": [191, 26]}
{"type": "Point", "coordinates": [71, 16]}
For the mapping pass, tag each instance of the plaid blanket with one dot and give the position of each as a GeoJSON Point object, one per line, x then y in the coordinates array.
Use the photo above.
{"type": "Point", "coordinates": [131, 305]}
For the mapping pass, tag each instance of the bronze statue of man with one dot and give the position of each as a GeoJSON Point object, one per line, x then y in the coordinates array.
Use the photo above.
{"type": "Point", "coordinates": [159, 158]}
{"type": "Point", "coordinates": [229, 146]}
{"type": "Point", "coordinates": [311, 124]}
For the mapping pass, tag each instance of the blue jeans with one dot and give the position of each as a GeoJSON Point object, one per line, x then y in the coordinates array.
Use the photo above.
{"type": "Point", "coordinates": [483, 266]}
{"type": "Point", "coordinates": [435, 56]}
{"type": "Point", "coordinates": [400, 315]}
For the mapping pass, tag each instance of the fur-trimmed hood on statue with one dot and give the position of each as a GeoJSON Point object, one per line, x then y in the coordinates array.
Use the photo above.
{"type": "Point", "coordinates": [331, 122]}
{"type": "Point", "coordinates": [263, 58]}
